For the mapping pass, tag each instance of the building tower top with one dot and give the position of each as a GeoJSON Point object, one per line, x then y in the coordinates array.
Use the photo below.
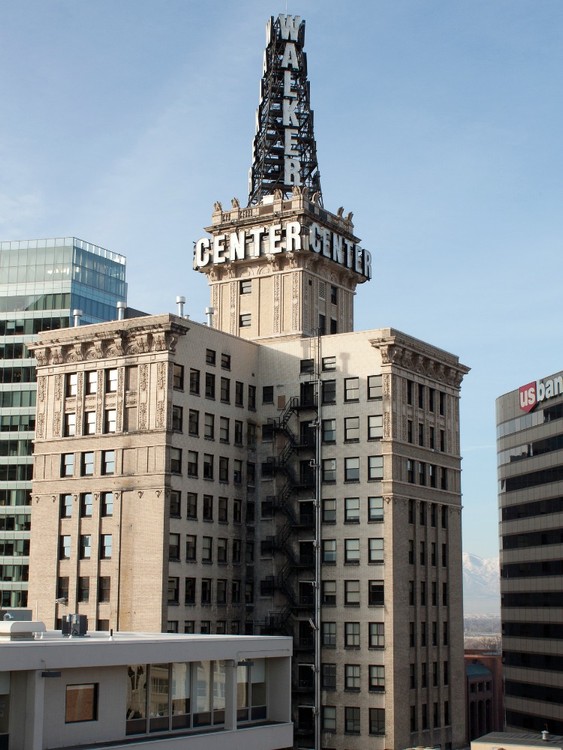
{"type": "Point", "coordinates": [284, 151]}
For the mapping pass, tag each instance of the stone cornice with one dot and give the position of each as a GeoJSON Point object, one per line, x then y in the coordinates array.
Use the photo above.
{"type": "Point", "coordinates": [415, 356]}
{"type": "Point", "coordinates": [120, 338]}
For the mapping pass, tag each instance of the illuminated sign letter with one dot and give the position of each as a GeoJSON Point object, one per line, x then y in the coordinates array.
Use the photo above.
{"type": "Point", "coordinates": [292, 236]}
{"type": "Point", "coordinates": [289, 112]}
{"type": "Point", "coordinates": [292, 174]}
{"type": "Point", "coordinates": [289, 59]}
{"type": "Point", "coordinates": [201, 253]}
{"type": "Point", "coordinates": [289, 26]}
{"type": "Point", "coordinates": [237, 245]}
{"type": "Point", "coordinates": [275, 238]}
{"type": "Point", "coordinates": [219, 248]}
{"type": "Point", "coordinates": [290, 144]}
{"type": "Point", "coordinates": [256, 233]}
{"type": "Point", "coordinates": [315, 243]}
{"type": "Point", "coordinates": [288, 91]}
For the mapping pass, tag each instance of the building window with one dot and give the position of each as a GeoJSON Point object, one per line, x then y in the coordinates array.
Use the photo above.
{"type": "Point", "coordinates": [87, 464]}
{"type": "Point", "coordinates": [328, 634]}
{"type": "Point", "coordinates": [376, 595]}
{"type": "Point", "coordinates": [375, 388]}
{"type": "Point", "coordinates": [329, 470]}
{"type": "Point", "coordinates": [191, 547]}
{"type": "Point", "coordinates": [375, 467]}
{"type": "Point", "coordinates": [224, 429]}
{"type": "Point", "coordinates": [108, 462]}
{"type": "Point", "coordinates": [235, 591]}
{"type": "Point", "coordinates": [245, 320]}
{"type": "Point", "coordinates": [209, 426]}
{"type": "Point", "coordinates": [328, 391]}
{"type": "Point", "coordinates": [210, 357]}
{"type": "Point", "coordinates": [86, 504]}
{"type": "Point", "coordinates": [245, 286]}
{"type": "Point", "coordinates": [252, 397]}
{"type": "Point", "coordinates": [376, 550]}
{"type": "Point", "coordinates": [110, 421]}
{"type": "Point", "coordinates": [85, 546]}
{"type": "Point", "coordinates": [104, 588]}
{"type": "Point", "coordinates": [329, 430]}
{"type": "Point", "coordinates": [206, 594]}
{"type": "Point", "coordinates": [423, 593]}
{"type": "Point", "coordinates": [81, 703]}
{"type": "Point", "coordinates": [189, 591]}
{"type": "Point", "coordinates": [225, 361]}
{"type": "Point", "coordinates": [178, 377]}
{"type": "Point", "coordinates": [208, 460]}
{"type": "Point", "coordinates": [307, 366]}
{"type": "Point", "coordinates": [268, 394]}
{"type": "Point", "coordinates": [376, 678]}
{"type": "Point", "coordinates": [221, 592]}
{"type": "Point", "coordinates": [237, 471]}
{"type": "Point", "coordinates": [375, 509]}
{"type": "Point", "coordinates": [329, 510]}
{"type": "Point", "coordinates": [192, 463]}
{"type": "Point", "coordinates": [222, 550]}
{"type": "Point", "coordinates": [194, 382]}
{"type": "Point", "coordinates": [239, 393]}
{"type": "Point", "coordinates": [328, 590]}
{"type": "Point", "coordinates": [376, 635]}
{"type": "Point", "coordinates": [90, 423]}
{"type": "Point", "coordinates": [173, 590]}
{"type": "Point", "coordinates": [111, 381]}
{"type": "Point", "coordinates": [67, 465]}
{"type": "Point", "coordinates": [352, 551]}
{"type": "Point", "coordinates": [329, 551]}
{"type": "Point", "coordinates": [225, 390]}
{"type": "Point", "coordinates": [377, 720]}
{"type": "Point", "coordinates": [191, 508]}
{"type": "Point", "coordinates": [83, 593]}
{"type": "Point", "coordinates": [223, 469]}
{"type": "Point", "coordinates": [207, 549]}
{"type": "Point", "coordinates": [329, 719]}
{"type": "Point", "coordinates": [352, 677]}
{"type": "Point", "coordinates": [176, 460]}
{"type": "Point", "coordinates": [351, 429]}
{"type": "Point", "coordinates": [352, 593]}
{"type": "Point", "coordinates": [70, 424]}
{"type": "Point", "coordinates": [351, 510]}
{"type": "Point", "coordinates": [105, 546]}
{"type": "Point", "coordinates": [237, 510]}
{"type": "Point", "coordinates": [352, 720]}
{"type": "Point", "coordinates": [175, 504]}
{"type": "Point", "coordinates": [375, 427]}
{"type": "Point", "coordinates": [351, 389]}
{"type": "Point", "coordinates": [64, 547]}
{"type": "Point", "coordinates": [177, 418]}
{"type": "Point", "coordinates": [352, 469]}
{"type": "Point", "coordinates": [208, 507]}
{"type": "Point", "coordinates": [209, 385]}
{"type": "Point", "coordinates": [329, 364]}
{"type": "Point", "coordinates": [65, 502]}
{"type": "Point", "coordinates": [174, 547]}
{"type": "Point", "coordinates": [352, 635]}
{"type": "Point", "coordinates": [71, 386]}
{"type": "Point", "coordinates": [328, 676]}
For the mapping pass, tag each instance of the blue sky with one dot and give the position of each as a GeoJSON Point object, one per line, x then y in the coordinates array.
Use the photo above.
{"type": "Point", "coordinates": [438, 123]}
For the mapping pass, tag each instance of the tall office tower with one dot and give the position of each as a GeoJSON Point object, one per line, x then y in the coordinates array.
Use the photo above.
{"type": "Point", "coordinates": [41, 282]}
{"type": "Point", "coordinates": [530, 461]}
{"type": "Point", "coordinates": [273, 471]}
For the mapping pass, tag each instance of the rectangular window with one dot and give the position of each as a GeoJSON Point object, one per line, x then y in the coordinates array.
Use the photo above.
{"type": "Point", "coordinates": [65, 505]}
{"type": "Point", "coordinates": [329, 470]}
{"type": "Point", "coordinates": [352, 469]}
{"type": "Point", "coordinates": [307, 366]}
{"type": "Point", "coordinates": [351, 429]}
{"type": "Point", "coordinates": [194, 382]}
{"type": "Point", "coordinates": [83, 589]}
{"type": "Point", "coordinates": [410, 386]}
{"type": "Point", "coordinates": [351, 389]}
{"type": "Point", "coordinates": [328, 592]}
{"type": "Point", "coordinates": [176, 460]}
{"type": "Point", "coordinates": [206, 593]}
{"type": "Point", "coordinates": [377, 721]}
{"type": "Point", "coordinates": [207, 549]}
{"type": "Point", "coordinates": [189, 591]}
{"type": "Point", "coordinates": [352, 635]}
{"type": "Point", "coordinates": [352, 677]}
{"type": "Point", "coordinates": [333, 295]}
{"type": "Point", "coordinates": [208, 507]}
{"type": "Point", "coordinates": [245, 320]}
{"type": "Point", "coordinates": [209, 385]}
{"type": "Point", "coordinates": [210, 357]}
{"type": "Point", "coordinates": [191, 510]}
{"type": "Point", "coordinates": [225, 390]}
{"type": "Point", "coordinates": [86, 504]}
{"type": "Point", "coordinates": [328, 634]}
{"type": "Point", "coordinates": [375, 467]}
{"type": "Point", "coordinates": [87, 464]}
{"type": "Point", "coordinates": [376, 678]}
{"type": "Point", "coordinates": [177, 418]}
{"type": "Point", "coordinates": [329, 551]}
{"type": "Point", "coordinates": [178, 377]}
{"type": "Point", "coordinates": [71, 385]}
{"type": "Point", "coordinates": [224, 429]}
{"type": "Point", "coordinates": [376, 593]}
{"type": "Point", "coordinates": [106, 543]}
{"type": "Point", "coordinates": [328, 676]}
{"type": "Point", "coordinates": [174, 546]}
{"type": "Point", "coordinates": [239, 393]}
{"type": "Point", "coordinates": [352, 593]}
{"type": "Point", "coordinates": [329, 719]}
{"type": "Point", "coordinates": [352, 551]}
{"type": "Point", "coordinates": [375, 387]}
{"type": "Point", "coordinates": [329, 430]}
{"type": "Point", "coordinates": [351, 510]}
{"type": "Point", "coordinates": [209, 426]}
{"type": "Point", "coordinates": [64, 547]}
{"type": "Point", "coordinates": [108, 462]}
{"type": "Point", "coordinates": [237, 471]}
{"type": "Point", "coordinates": [420, 396]}
{"type": "Point", "coordinates": [81, 703]}
{"type": "Point", "coordinates": [104, 588]}
{"type": "Point", "coordinates": [173, 591]}
{"type": "Point", "coordinates": [376, 550]}
{"type": "Point", "coordinates": [193, 460]}
{"type": "Point", "coordinates": [91, 382]}
{"type": "Point", "coordinates": [110, 421]}
{"type": "Point", "coordinates": [70, 424]}
{"type": "Point", "coordinates": [191, 547]}
{"type": "Point", "coordinates": [238, 432]}
{"type": "Point", "coordinates": [329, 364]}
{"type": "Point", "coordinates": [375, 509]}
{"type": "Point", "coordinates": [221, 592]}
{"type": "Point", "coordinates": [268, 394]}
{"type": "Point", "coordinates": [111, 381]}
{"type": "Point", "coordinates": [67, 465]}
{"type": "Point", "coordinates": [352, 720]}
{"type": "Point", "coordinates": [442, 396]}
{"type": "Point", "coordinates": [252, 397]}
{"type": "Point", "coordinates": [375, 426]}
{"type": "Point", "coordinates": [329, 510]}
{"type": "Point", "coordinates": [222, 550]}
{"type": "Point", "coordinates": [376, 635]}
{"type": "Point", "coordinates": [328, 390]}
{"type": "Point", "coordinates": [89, 422]}
{"type": "Point", "coordinates": [237, 510]}
{"type": "Point", "coordinates": [223, 469]}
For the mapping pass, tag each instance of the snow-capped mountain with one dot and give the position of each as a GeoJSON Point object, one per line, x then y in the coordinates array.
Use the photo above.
{"type": "Point", "coordinates": [481, 585]}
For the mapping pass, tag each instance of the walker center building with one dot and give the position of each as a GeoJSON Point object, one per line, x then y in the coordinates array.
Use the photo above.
{"type": "Point", "coordinates": [530, 468]}
{"type": "Point", "coordinates": [272, 472]}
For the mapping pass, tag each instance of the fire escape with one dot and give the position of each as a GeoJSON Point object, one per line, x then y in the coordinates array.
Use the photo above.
{"type": "Point", "coordinates": [292, 546]}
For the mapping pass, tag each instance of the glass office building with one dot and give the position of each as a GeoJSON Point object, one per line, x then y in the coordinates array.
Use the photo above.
{"type": "Point", "coordinates": [41, 283]}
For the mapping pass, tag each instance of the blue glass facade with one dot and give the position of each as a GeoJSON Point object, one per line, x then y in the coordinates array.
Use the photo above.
{"type": "Point", "coordinates": [41, 283]}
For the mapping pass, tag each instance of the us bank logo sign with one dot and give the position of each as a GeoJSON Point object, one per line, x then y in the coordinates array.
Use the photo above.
{"type": "Point", "coordinates": [531, 394]}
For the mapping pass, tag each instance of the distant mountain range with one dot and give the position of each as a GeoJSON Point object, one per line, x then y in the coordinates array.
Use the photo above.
{"type": "Point", "coordinates": [481, 587]}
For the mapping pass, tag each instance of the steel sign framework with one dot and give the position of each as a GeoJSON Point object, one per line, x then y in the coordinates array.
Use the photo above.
{"type": "Point", "coordinates": [284, 150]}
